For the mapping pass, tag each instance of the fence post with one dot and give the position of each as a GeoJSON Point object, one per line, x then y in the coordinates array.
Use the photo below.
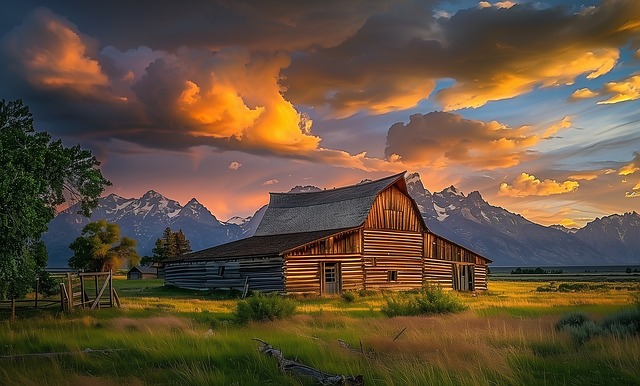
{"type": "Point", "coordinates": [62, 299]}
{"type": "Point", "coordinates": [37, 290]}
{"type": "Point", "coordinates": [82, 293]}
{"type": "Point", "coordinates": [70, 290]}
{"type": "Point", "coordinates": [111, 288]}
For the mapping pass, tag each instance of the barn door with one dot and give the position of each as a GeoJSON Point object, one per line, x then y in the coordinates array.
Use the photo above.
{"type": "Point", "coordinates": [331, 276]}
{"type": "Point", "coordinates": [463, 277]}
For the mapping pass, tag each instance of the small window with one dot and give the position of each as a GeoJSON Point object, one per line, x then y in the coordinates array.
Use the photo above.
{"type": "Point", "coordinates": [392, 275]}
{"type": "Point", "coordinates": [221, 270]}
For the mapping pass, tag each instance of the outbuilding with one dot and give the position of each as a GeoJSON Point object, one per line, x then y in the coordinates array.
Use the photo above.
{"type": "Point", "coordinates": [142, 272]}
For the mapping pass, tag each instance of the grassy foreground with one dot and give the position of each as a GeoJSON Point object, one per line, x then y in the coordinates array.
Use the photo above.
{"type": "Point", "coordinates": [172, 337]}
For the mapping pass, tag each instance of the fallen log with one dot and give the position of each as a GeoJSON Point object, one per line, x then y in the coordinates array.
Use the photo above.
{"type": "Point", "coordinates": [297, 368]}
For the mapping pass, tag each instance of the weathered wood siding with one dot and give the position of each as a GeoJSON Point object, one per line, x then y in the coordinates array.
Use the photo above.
{"type": "Point", "coordinates": [387, 251]}
{"type": "Point", "coordinates": [437, 247]}
{"type": "Point", "coordinates": [303, 274]}
{"type": "Point", "coordinates": [261, 274]}
{"type": "Point", "coordinates": [480, 277]}
{"type": "Point", "coordinates": [392, 209]}
{"type": "Point", "coordinates": [438, 273]}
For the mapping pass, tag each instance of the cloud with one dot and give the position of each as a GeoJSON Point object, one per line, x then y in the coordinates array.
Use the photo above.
{"type": "Point", "coordinates": [631, 167]}
{"type": "Point", "coordinates": [583, 176]}
{"type": "Point", "coordinates": [583, 93]}
{"type": "Point", "coordinates": [623, 91]}
{"type": "Point", "coordinates": [270, 182]}
{"type": "Point", "coordinates": [234, 165]}
{"type": "Point", "coordinates": [440, 139]}
{"type": "Point", "coordinates": [490, 54]}
{"type": "Point", "coordinates": [635, 191]}
{"type": "Point", "coordinates": [50, 52]}
{"type": "Point", "coordinates": [528, 185]}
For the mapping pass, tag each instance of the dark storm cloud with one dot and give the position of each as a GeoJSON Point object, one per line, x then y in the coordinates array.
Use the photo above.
{"type": "Point", "coordinates": [491, 53]}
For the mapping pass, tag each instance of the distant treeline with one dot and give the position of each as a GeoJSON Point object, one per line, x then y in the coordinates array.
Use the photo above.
{"type": "Point", "coordinates": [537, 271]}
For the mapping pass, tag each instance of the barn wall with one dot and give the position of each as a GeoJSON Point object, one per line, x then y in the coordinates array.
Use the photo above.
{"type": "Point", "coordinates": [261, 274]}
{"type": "Point", "coordinates": [387, 251]}
{"type": "Point", "coordinates": [480, 277]}
{"type": "Point", "coordinates": [438, 273]}
{"type": "Point", "coordinates": [303, 274]}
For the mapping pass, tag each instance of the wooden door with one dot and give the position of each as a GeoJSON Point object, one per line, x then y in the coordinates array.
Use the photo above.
{"type": "Point", "coordinates": [331, 276]}
{"type": "Point", "coordinates": [463, 277]}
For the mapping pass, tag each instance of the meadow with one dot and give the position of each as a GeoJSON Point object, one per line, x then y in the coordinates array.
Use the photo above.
{"type": "Point", "coordinates": [166, 336]}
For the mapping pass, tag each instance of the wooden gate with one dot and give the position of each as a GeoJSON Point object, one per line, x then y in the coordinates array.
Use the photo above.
{"type": "Point", "coordinates": [88, 290]}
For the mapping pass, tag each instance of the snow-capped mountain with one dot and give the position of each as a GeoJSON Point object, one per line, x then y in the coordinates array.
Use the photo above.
{"type": "Point", "coordinates": [506, 238]}
{"type": "Point", "coordinates": [617, 235]}
{"type": "Point", "coordinates": [143, 219]}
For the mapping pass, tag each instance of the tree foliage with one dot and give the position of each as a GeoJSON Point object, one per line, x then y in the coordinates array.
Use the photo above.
{"type": "Point", "coordinates": [100, 248]}
{"type": "Point", "coordinates": [37, 175]}
{"type": "Point", "coordinates": [171, 244]}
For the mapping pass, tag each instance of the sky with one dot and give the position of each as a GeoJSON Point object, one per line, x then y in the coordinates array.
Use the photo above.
{"type": "Point", "coordinates": [535, 104]}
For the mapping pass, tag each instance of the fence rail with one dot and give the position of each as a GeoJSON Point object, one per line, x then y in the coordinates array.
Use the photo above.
{"type": "Point", "coordinates": [85, 290]}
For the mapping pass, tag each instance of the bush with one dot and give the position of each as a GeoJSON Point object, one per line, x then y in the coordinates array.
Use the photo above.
{"type": "Point", "coordinates": [574, 319]}
{"type": "Point", "coordinates": [427, 301]}
{"type": "Point", "coordinates": [348, 297]}
{"type": "Point", "coordinates": [582, 333]}
{"type": "Point", "coordinates": [261, 307]}
{"type": "Point", "coordinates": [623, 324]}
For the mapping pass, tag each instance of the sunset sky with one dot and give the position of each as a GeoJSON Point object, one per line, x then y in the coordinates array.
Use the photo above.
{"type": "Point", "coordinates": [533, 104]}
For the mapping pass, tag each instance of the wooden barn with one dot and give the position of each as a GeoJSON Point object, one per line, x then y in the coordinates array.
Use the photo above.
{"type": "Point", "coordinates": [366, 236]}
{"type": "Point", "coordinates": [142, 272]}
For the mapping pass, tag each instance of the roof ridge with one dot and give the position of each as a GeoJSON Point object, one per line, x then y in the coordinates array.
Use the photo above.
{"type": "Point", "coordinates": [394, 176]}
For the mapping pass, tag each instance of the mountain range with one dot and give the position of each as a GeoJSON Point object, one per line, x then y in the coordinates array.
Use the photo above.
{"type": "Point", "coordinates": [504, 237]}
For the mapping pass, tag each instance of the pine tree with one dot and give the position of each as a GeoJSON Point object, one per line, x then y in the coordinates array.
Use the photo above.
{"type": "Point", "coordinates": [171, 244]}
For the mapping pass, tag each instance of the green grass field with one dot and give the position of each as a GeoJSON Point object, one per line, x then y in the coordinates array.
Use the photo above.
{"type": "Point", "coordinates": [166, 336]}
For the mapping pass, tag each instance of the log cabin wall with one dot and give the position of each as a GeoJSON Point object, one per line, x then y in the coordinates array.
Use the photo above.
{"type": "Point", "coordinates": [303, 265]}
{"type": "Point", "coordinates": [261, 274]}
{"type": "Point", "coordinates": [303, 274]}
{"type": "Point", "coordinates": [480, 278]}
{"type": "Point", "coordinates": [438, 273]}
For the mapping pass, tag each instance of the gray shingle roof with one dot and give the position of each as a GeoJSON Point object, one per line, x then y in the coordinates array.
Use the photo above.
{"type": "Point", "coordinates": [256, 246]}
{"type": "Point", "coordinates": [346, 207]}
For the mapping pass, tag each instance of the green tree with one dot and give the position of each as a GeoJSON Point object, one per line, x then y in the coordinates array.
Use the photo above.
{"type": "Point", "coordinates": [100, 248]}
{"type": "Point", "coordinates": [37, 175]}
{"type": "Point", "coordinates": [171, 244]}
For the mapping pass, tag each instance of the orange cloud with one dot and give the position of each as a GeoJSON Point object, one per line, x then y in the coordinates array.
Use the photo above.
{"type": "Point", "coordinates": [50, 52]}
{"type": "Point", "coordinates": [625, 90]}
{"type": "Point", "coordinates": [520, 78]}
{"type": "Point", "coordinates": [583, 176]}
{"type": "Point", "coordinates": [635, 191]}
{"type": "Point", "coordinates": [440, 139]}
{"type": "Point", "coordinates": [528, 185]}
{"type": "Point", "coordinates": [631, 167]}
{"type": "Point", "coordinates": [583, 93]}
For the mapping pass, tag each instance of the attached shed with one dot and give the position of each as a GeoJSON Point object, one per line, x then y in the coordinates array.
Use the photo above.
{"type": "Point", "coordinates": [365, 236]}
{"type": "Point", "coordinates": [142, 272]}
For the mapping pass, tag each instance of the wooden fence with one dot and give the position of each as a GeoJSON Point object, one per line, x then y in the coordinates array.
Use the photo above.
{"type": "Point", "coordinates": [85, 290]}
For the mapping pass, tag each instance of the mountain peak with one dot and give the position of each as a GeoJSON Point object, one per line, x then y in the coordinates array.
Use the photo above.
{"type": "Point", "coordinates": [452, 190]}
{"type": "Point", "coordinates": [151, 194]}
{"type": "Point", "coordinates": [193, 202]}
{"type": "Point", "coordinates": [413, 178]}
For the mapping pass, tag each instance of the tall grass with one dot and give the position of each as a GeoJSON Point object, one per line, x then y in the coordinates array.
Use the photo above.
{"type": "Point", "coordinates": [199, 343]}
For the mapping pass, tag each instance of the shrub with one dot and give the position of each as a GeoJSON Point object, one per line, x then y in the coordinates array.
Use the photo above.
{"type": "Point", "coordinates": [427, 301]}
{"type": "Point", "coordinates": [623, 324]}
{"type": "Point", "coordinates": [574, 319]}
{"type": "Point", "coordinates": [583, 332]}
{"type": "Point", "coordinates": [261, 307]}
{"type": "Point", "coordinates": [348, 297]}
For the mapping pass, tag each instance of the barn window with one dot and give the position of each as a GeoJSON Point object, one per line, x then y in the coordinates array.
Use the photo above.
{"type": "Point", "coordinates": [392, 275]}
{"type": "Point", "coordinates": [221, 270]}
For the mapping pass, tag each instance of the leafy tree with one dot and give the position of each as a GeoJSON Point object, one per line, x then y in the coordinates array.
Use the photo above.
{"type": "Point", "coordinates": [37, 175]}
{"type": "Point", "coordinates": [100, 248]}
{"type": "Point", "coordinates": [171, 244]}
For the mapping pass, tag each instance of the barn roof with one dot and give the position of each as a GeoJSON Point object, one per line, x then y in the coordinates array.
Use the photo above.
{"type": "Point", "coordinates": [144, 269]}
{"type": "Point", "coordinates": [256, 246]}
{"type": "Point", "coordinates": [346, 207]}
